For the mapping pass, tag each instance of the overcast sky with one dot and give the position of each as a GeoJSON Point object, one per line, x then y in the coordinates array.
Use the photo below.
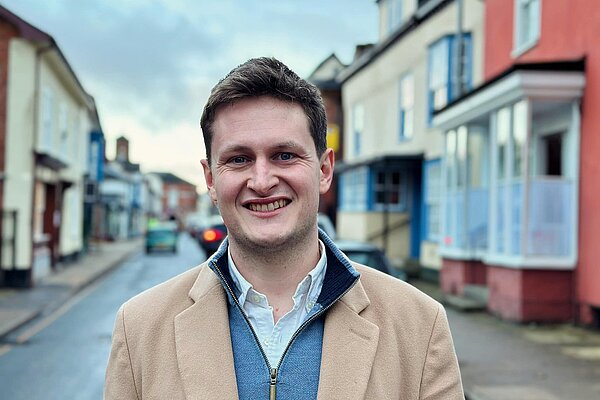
{"type": "Point", "coordinates": [150, 64]}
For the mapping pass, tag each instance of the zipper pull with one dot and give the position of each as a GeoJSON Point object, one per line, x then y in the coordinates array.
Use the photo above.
{"type": "Point", "coordinates": [273, 385]}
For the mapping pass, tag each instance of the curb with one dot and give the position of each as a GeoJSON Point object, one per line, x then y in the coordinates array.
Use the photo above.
{"type": "Point", "coordinates": [71, 291]}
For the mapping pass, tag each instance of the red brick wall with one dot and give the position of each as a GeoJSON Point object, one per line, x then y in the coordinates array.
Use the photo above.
{"type": "Point", "coordinates": [530, 295]}
{"type": "Point", "coordinates": [456, 274]}
{"type": "Point", "coordinates": [569, 30]}
{"type": "Point", "coordinates": [187, 198]}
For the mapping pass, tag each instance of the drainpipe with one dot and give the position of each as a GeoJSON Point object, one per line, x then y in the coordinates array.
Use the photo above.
{"type": "Point", "coordinates": [459, 51]}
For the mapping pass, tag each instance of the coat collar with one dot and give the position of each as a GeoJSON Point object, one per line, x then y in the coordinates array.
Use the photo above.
{"type": "Point", "coordinates": [203, 343]}
{"type": "Point", "coordinates": [347, 337]}
{"type": "Point", "coordinates": [349, 346]}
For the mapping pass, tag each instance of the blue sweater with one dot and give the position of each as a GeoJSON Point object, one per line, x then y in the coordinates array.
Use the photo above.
{"type": "Point", "coordinates": [297, 375]}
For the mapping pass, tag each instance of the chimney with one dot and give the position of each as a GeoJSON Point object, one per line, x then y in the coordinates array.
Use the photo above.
{"type": "Point", "coordinates": [122, 149]}
{"type": "Point", "coordinates": [362, 49]}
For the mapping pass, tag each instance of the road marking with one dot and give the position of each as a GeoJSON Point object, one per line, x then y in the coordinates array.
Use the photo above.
{"type": "Point", "coordinates": [5, 349]}
{"type": "Point", "coordinates": [44, 323]}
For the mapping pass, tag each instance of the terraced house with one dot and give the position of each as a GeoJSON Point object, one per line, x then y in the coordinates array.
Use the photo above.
{"type": "Point", "coordinates": [521, 214]}
{"type": "Point", "coordinates": [46, 120]}
{"type": "Point", "coordinates": [428, 52]}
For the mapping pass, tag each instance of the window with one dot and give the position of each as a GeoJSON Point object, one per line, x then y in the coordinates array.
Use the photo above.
{"type": "Point", "coordinates": [372, 189]}
{"type": "Point", "coordinates": [433, 175]}
{"type": "Point", "coordinates": [389, 190]}
{"type": "Point", "coordinates": [354, 189]}
{"type": "Point", "coordinates": [503, 126]}
{"type": "Point", "coordinates": [519, 132]}
{"type": "Point", "coordinates": [394, 14]}
{"type": "Point", "coordinates": [461, 156]}
{"type": "Point", "coordinates": [358, 122]}
{"type": "Point", "coordinates": [63, 129]}
{"type": "Point", "coordinates": [407, 102]}
{"type": "Point", "coordinates": [450, 159]}
{"type": "Point", "coordinates": [47, 120]}
{"type": "Point", "coordinates": [527, 24]}
{"type": "Point", "coordinates": [441, 71]}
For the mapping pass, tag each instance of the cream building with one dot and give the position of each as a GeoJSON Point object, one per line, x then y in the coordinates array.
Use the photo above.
{"type": "Point", "coordinates": [47, 128]}
{"type": "Point", "coordinates": [390, 181]}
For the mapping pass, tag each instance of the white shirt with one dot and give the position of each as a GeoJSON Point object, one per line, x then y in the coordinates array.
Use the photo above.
{"type": "Point", "coordinates": [274, 338]}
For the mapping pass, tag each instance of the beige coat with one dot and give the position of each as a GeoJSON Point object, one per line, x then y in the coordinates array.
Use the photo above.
{"type": "Point", "coordinates": [383, 340]}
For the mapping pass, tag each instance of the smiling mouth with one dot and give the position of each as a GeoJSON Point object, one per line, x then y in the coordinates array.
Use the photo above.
{"type": "Point", "coordinates": [268, 206]}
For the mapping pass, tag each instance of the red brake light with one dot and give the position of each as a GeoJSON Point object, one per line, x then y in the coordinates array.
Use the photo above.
{"type": "Point", "coordinates": [212, 235]}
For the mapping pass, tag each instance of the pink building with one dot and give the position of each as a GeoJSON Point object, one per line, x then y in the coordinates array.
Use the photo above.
{"type": "Point", "coordinates": [521, 217]}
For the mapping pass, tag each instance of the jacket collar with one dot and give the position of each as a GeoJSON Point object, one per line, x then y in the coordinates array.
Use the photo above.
{"type": "Point", "coordinates": [203, 341]}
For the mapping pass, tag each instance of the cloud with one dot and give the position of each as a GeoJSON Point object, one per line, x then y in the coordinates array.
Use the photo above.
{"type": "Point", "coordinates": [150, 64]}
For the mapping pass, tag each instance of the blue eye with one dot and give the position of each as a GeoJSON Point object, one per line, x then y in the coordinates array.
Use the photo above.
{"type": "Point", "coordinates": [286, 156]}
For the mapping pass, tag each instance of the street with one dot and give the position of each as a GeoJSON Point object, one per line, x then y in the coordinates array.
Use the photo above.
{"type": "Point", "coordinates": [64, 354]}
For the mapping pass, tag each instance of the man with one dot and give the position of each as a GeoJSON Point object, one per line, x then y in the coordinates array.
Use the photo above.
{"type": "Point", "coordinates": [278, 312]}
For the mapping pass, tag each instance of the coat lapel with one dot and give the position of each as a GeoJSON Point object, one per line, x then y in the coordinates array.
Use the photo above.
{"type": "Point", "coordinates": [203, 342]}
{"type": "Point", "coordinates": [349, 347]}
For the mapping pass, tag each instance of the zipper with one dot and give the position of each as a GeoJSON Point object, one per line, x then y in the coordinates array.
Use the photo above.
{"type": "Point", "coordinates": [273, 385]}
{"type": "Point", "coordinates": [273, 371]}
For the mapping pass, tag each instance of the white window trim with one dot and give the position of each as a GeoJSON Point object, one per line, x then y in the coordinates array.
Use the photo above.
{"type": "Point", "coordinates": [521, 48]}
{"type": "Point", "coordinates": [403, 137]}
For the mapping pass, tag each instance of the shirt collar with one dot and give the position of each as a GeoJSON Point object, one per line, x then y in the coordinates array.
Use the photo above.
{"type": "Point", "coordinates": [310, 285]}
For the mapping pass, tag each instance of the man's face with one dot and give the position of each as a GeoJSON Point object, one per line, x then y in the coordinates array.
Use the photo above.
{"type": "Point", "coordinates": [265, 175]}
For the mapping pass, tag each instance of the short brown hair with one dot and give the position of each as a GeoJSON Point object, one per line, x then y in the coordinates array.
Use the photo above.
{"type": "Point", "coordinates": [266, 77]}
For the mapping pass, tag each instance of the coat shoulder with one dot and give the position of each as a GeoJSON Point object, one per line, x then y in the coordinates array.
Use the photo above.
{"type": "Point", "coordinates": [169, 297]}
{"type": "Point", "coordinates": [387, 292]}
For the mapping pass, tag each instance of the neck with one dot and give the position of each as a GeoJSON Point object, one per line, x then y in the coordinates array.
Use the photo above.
{"type": "Point", "coordinates": [276, 273]}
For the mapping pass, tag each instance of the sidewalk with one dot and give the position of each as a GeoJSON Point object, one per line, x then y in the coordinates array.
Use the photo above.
{"type": "Point", "coordinates": [501, 360]}
{"type": "Point", "coordinates": [18, 306]}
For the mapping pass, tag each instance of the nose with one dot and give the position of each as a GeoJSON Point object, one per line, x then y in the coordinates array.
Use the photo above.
{"type": "Point", "coordinates": [263, 178]}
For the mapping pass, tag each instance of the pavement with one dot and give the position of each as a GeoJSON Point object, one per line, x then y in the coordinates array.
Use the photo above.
{"type": "Point", "coordinates": [499, 360]}
{"type": "Point", "coordinates": [19, 306]}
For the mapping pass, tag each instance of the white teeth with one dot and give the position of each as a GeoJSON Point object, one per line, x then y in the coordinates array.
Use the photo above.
{"type": "Point", "coordinates": [268, 207]}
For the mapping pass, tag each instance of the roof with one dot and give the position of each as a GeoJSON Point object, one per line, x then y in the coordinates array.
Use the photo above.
{"type": "Point", "coordinates": [33, 34]}
{"type": "Point", "coordinates": [168, 177]}
{"type": "Point", "coordinates": [384, 160]}
{"type": "Point", "coordinates": [421, 15]}
{"type": "Point", "coordinates": [325, 73]}
{"type": "Point", "coordinates": [577, 65]}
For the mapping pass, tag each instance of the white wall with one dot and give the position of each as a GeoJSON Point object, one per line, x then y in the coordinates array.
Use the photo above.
{"type": "Point", "coordinates": [376, 87]}
{"type": "Point", "coordinates": [18, 185]}
{"type": "Point", "coordinates": [21, 133]}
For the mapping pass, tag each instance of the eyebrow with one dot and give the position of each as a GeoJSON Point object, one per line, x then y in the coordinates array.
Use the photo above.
{"type": "Point", "coordinates": [278, 146]}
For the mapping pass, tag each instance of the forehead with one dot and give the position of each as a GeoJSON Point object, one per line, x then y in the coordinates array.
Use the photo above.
{"type": "Point", "coordinates": [260, 118]}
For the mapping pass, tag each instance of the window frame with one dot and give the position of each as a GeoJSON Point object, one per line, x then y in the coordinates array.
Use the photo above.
{"type": "Point", "coordinates": [521, 43]}
{"type": "Point", "coordinates": [407, 109]}
{"type": "Point", "coordinates": [447, 42]}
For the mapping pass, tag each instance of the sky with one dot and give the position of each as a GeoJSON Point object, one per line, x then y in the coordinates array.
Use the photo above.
{"type": "Point", "coordinates": [150, 64]}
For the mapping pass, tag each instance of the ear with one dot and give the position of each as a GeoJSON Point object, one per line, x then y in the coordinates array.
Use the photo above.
{"type": "Point", "coordinates": [327, 162]}
{"type": "Point", "coordinates": [210, 184]}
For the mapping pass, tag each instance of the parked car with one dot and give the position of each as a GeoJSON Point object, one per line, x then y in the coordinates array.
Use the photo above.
{"type": "Point", "coordinates": [212, 234]}
{"type": "Point", "coordinates": [162, 236]}
{"type": "Point", "coordinates": [326, 225]}
{"type": "Point", "coordinates": [370, 255]}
